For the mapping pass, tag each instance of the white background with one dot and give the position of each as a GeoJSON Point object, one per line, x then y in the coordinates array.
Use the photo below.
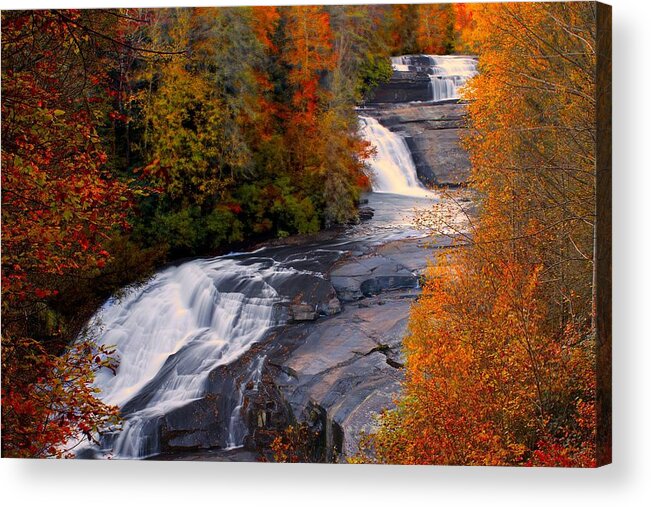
{"type": "Point", "coordinates": [626, 482]}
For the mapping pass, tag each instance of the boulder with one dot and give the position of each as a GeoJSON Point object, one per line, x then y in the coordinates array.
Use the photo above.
{"type": "Point", "coordinates": [302, 312]}
{"type": "Point", "coordinates": [372, 275]}
{"type": "Point", "coordinates": [374, 286]}
{"type": "Point", "coordinates": [366, 213]}
{"type": "Point", "coordinates": [333, 307]}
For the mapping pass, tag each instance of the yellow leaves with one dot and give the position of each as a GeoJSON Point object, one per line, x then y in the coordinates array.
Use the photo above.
{"type": "Point", "coordinates": [432, 27]}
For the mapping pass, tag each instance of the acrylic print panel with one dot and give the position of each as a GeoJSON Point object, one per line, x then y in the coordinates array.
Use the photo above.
{"type": "Point", "coordinates": [341, 234]}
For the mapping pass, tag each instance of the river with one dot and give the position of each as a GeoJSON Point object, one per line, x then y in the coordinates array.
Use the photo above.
{"type": "Point", "coordinates": [217, 353]}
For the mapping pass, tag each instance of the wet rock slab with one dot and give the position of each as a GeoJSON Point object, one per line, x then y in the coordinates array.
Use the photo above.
{"type": "Point", "coordinates": [390, 268]}
{"type": "Point", "coordinates": [349, 368]}
{"type": "Point", "coordinates": [404, 87]}
{"type": "Point", "coordinates": [336, 373]}
{"type": "Point", "coordinates": [334, 366]}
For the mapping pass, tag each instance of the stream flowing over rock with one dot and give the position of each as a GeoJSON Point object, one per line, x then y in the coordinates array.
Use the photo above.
{"type": "Point", "coordinates": [431, 128]}
{"type": "Point", "coordinates": [432, 133]}
{"type": "Point", "coordinates": [219, 355]}
{"type": "Point", "coordinates": [426, 78]}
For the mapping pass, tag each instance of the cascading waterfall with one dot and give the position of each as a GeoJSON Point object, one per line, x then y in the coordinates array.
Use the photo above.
{"type": "Point", "coordinates": [237, 428]}
{"type": "Point", "coordinates": [447, 73]}
{"type": "Point", "coordinates": [393, 168]}
{"type": "Point", "coordinates": [173, 331]}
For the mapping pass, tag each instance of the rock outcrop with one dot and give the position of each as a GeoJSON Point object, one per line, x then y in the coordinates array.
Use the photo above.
{"type": "Point", "coordinates": [332, 367]}
{"type": "Point", "coordinates": [337, 373]}
{"type": "Point", "coordinates": [366, 276]}
{"type": "Point", "coordinates": [404, 87]}
{"type": "Point", "coordinates": [345, 371]}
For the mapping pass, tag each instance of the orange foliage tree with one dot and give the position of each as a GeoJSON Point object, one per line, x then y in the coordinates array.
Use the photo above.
{"type": "Point", "coordinates": [463, 25]}
{"type": "Point", "coordinates": [330, 164]}
{"type": "Point", "coordinates": [59, 206]}
{"type": "Point", "coordinates": [434, 28]}
{"type": "Point", "coordinates": [501, 345]}
{"type": "Point", "coordinates": [488, 382]}
{"type": "Point", "coordinates": [309, 53]}
{"type": "Point", "coordinates": [427, 28]}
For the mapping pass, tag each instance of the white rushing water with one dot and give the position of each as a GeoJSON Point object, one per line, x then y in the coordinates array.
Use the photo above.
{"type": "Point", "coordinates": [237, 428]}
{"type": "Point", "coordinates": [448, 73]}
{"type": "Point", "coordinates": [393, 168]}
{"type": "Point", "coordinates": [173, 331]}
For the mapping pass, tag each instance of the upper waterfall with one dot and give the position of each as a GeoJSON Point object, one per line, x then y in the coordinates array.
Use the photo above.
{"type": "Point", "coordinates": [393, 168]}
{"type": "Point", "coordinates": [448, 73]}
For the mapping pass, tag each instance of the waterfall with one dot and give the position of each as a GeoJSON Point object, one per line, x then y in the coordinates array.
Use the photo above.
{"type": "Point", "coordinates": [447, 73]}
{"type": "Point", "coordinates": [237, 428]}
{"type": "Point", "coordinates": [393, 168]}
{"type": "Point", "coordinates": [171, 332]}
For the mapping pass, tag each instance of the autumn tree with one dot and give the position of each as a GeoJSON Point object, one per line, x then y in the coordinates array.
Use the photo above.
{"type": "Point", "coordinates": [488, 383]}
{"type": "Point", "coordinates": [59, 205]}
{"type": "Point", "coordinates": [361, 51]}
{"type": "Point", "coordinates": [309, 54]}
{"type": "Point", "coordinates": [426, 28]}
{"type": "Point", "coordinates": [322, 139]}
{"type": "Point", "coordinates": [501, 345]}
{"type": "Point", "coordinates": [192, 145]}
{"type": "Point", "coordinates": [402, 29]}
{"type": "Point", "coordinates": [434, 29]}
{"type": "Point", "coordinates": [463, 25]}
{"type": "Point", "coordinates": [236, 128]}
{"type": "Point", "coordinates": [540, 76]}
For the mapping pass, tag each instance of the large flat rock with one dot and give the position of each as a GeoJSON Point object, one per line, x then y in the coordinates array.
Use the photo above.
{"type": "Point", "coordinates": [347, 368]}
{"type": "Point", "coordinates": [392, 267]}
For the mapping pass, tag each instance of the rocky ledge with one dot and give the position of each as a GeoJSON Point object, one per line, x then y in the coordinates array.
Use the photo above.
{"type": "Point", "coordinates": [336, 374]}
{"type": "Point", "coordinates": [404, 87]}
